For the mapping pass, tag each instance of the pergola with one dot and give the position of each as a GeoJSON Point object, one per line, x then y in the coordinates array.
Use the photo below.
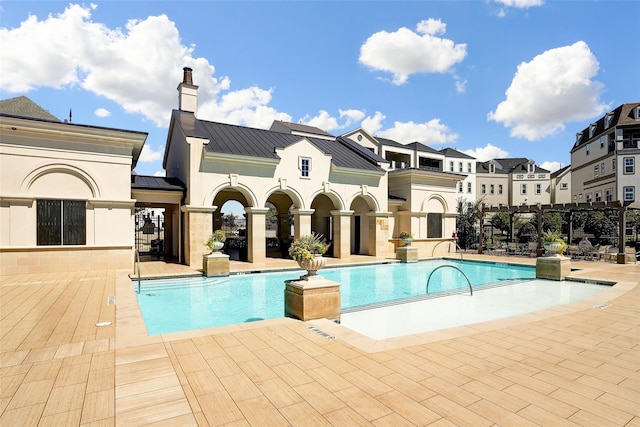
{"type": "Point", "coordinates": [540, 209]}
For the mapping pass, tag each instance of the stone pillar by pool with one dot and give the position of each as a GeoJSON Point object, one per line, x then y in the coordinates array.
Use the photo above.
{"type": "Point", "coordinates": [215, 264]}
{"type": "Point", "coordinates": [312, 297]}
{"type": "Point", "coordinates": [407, 254]}
{"type": "Point", "coordinates": [555, 267]}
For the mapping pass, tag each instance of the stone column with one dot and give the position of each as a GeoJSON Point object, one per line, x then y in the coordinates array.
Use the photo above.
{"type": "Point", "coordinates": [312, 297]}
{"type": "Point", "coordinates": [302, 222]}
{"type": "Point", "coordinates": [341, 233]}
{"type": "Point", "coordinates": [256, 236]}
{"type": "Point", "coordinates": [378, 233]}
{"type": "Point", "coordinates": [198, 227]}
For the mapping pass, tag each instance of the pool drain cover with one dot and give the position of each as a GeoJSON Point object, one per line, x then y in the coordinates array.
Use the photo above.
{"type": "Point", "coordinates": [321, 333]}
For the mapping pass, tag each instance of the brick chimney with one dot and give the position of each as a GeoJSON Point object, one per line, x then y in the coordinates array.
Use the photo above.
{"type": "Point", "coordinates": [187, 92]}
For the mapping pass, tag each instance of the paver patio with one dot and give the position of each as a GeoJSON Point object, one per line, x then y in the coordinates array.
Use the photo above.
{"type": "Point", "coordinates": [577, 364]}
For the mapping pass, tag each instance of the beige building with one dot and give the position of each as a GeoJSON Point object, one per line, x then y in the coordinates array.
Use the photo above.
{"type": "Point", "coordinates": [605, 156]}
{"type": "Point", "coordinates": [69, 198]}
{"type": "Point", "coordinates": [65, 192]}
{"type": "Point", "coordinates": [561, 185]}
{"type": "Point", "coordinates": [512, 182]}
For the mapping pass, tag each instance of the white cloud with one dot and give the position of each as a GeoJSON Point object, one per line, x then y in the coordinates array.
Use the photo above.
{"type": "Point", "coordinates": [554, 87]}
{"type": "Point", "coordinates": [405, 52]}
{"type": "Point", "coordinates": [160, 173]}
{"type": "Point", "coordinates": [133, 66]}
{"type": "Point", "coordinates": [520, 4]}
{"type": "Point", "coordinates": [351, 116]}
{"type": "Point", "coordinates": [431, 133]}
{"type": "Point", "coordinates": [551, 166]}
{"type": "Point", "coordinates": [147, 155]}
{"type": "Point", "coordinates": [373, 124]}
{"type": "Point", "coordinates": [488, 152]}
{"type": "Point", "coordinates": [322, 121]}
{"type": "Point", "coordinates": [102, 112]}
{"type": "Point", "coordinates": [461, 86]}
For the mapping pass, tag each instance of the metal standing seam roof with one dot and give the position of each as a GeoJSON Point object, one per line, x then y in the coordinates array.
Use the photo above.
{"type": "Point", "coordinates": [160, 183]}
{"type": "Point", "coordinates": [252, 142]}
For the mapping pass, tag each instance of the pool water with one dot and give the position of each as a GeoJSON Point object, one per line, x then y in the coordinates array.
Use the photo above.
{"type": "Point", "coordinates": [171, 305]}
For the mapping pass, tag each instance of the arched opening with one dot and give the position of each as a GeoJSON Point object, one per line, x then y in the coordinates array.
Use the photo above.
{"type": "Point", "coordinates": [231, 218]}
{"type": "Point", "coordinates": [279, 224]}
{"type": "Point", "coordinates": [360, 226]}
{"type": "Point", "coordinates": [321, 219]}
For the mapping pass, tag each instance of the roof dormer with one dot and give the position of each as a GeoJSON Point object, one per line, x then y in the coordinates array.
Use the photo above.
{"type": "Point", "coordinates": [608, 118]}
{"type": "Point", "coordinates": [592, 129]}
{"type": "Point", "coordinates": [578, 137]}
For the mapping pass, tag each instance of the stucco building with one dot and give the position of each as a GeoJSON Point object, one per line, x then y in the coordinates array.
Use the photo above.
{"type": "Point", "coordinates": [604, 158]}
{"type": "Point", "coordinates": [65, 192]}
{"type": "Point", "coordinates": [512, 182]}
{"type": "Point", "coordinates": [69, 197]}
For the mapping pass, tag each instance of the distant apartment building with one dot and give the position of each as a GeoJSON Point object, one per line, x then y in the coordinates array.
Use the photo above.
{"type": "Point", "coordinates": [462, 163]}
{"type": "Point", "coordinates": [604, 158]}
{"type": "Point", "coordinates": [561, 185]}
{"type": "Point", "coordinates": [512, 182]}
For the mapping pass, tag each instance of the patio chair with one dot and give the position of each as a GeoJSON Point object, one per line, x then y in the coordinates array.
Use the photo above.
{"type": "Point", "coordinates": [612, 254]}
{"type": "Point", "coordinates": [631, 255]}
{"type": "Point", "coordinates": [601, 255]}
{"type": "Point", "coordinates": [573, 251]}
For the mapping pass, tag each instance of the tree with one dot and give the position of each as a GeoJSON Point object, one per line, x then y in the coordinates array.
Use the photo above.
{"type": "Point", "coordinates": [602, 224]}
{"type": "Point", "coordinates": [502, 222]}
{"type": "Point", "coordinates": [468, 216]}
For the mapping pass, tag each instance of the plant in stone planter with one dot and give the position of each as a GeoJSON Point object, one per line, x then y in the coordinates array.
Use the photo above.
{"type": "Point", "coordinates": [307, 251]}
{"type": "Point", "coordinates": [215, 242]}
{"type": "Point", "coordinates": [553, 242]}
{"type": "Point", "coordinates": [406, 237]}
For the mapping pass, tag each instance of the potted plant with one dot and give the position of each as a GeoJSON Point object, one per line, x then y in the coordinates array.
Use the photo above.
{"type": "Point", "coordinates": [307, 251]}
{"type": "Point", "coordinates": [215, 242]}
{"type": "Point", "coordinates": [553, 243]}
{"type": "Point", "coordinates": [406, 237]}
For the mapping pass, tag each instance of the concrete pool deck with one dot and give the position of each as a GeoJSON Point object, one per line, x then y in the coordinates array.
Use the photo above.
{"type": "Point", "coordinates": [577, 364]}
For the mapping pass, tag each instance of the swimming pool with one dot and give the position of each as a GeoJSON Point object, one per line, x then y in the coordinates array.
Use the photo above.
{"type": "Point", "coordinates": [172, 305]}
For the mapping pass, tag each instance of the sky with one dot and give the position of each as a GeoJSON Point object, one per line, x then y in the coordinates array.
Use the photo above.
{"type": "Point", "coordinates": [490, 78]}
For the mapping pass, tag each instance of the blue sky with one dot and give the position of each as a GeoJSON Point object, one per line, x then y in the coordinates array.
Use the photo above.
{"type": "Point", "coordinates": [508, 78]}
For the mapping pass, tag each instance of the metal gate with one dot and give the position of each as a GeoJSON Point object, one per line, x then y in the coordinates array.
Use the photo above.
{"type": "Point", "coordinates": [149, 237]}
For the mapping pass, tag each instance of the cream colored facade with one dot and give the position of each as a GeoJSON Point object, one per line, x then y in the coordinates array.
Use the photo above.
{"type": "Point", "coordinates": [605, 157]}
{"type": "Point", "coordinates": [49, 160]}
{"type": "Point", "coordinates": [316, 182]}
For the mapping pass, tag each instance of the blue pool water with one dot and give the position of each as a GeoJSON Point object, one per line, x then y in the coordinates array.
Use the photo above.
{"type": "Point", "coordinates": [172, 305]}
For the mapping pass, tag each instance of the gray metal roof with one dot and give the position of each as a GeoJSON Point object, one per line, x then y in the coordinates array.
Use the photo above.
{"type": "Point", "coordinates": [416, 146]}
{"type": "Point", "coordinates": [287, 127]}
{"type": "Point", "coordinates": [160, 183]}
{"type": "Point", "coordinates": [22, 106]}
{"type": "Point", "coordinates": [450, 152]}
{"type": "Point", "coordinates": [246, 141]}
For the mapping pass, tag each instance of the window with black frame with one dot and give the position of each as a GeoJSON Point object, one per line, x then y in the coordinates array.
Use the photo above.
{"type": "Point", "coordinates": [61, 222]}
{"type": "Point", "coordinates": [434, 225]}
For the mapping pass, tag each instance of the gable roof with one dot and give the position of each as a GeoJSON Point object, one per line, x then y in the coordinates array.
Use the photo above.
{"type": "Point", "coordinates": [560, 171]}
{"type": "Point", "coordinates": [450, 152]}
{"type": "Point", "coordinates": [252, 142]}
{"type": "Point", "coordinates": [508, 165]}
{"type": "Point", "coordinates": [22, 106]}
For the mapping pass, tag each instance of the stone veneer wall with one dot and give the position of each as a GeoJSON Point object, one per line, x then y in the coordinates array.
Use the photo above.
{"type": "Point", "coordinates": [60, 259]}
